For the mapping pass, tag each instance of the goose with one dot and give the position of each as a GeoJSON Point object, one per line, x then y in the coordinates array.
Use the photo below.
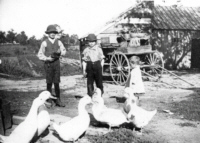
{"type": "Point", "coordinates": [128, 92]}
{"type": "Point", "coordinates": [111, 117]}
{"type": "Point", "coordinates": [74, 128]}
{"type": "Point", "coordinates": [97, 95]}
{"type": "Point", "coordinates": [139, 116]}
{"type": "Point", "coordinates": [26, 130]}
{"type": "Point", "coordinates": [43, 122]}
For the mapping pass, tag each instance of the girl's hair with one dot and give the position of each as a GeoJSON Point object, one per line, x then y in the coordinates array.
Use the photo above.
{"type": "Point", "coordinates": [135, 60]}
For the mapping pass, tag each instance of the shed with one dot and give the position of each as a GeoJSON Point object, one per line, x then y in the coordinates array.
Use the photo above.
{"type": "Point", "coordinates": [175, 32]}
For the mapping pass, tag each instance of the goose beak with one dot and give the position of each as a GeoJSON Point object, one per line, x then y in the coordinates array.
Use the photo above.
{"type": "Point", "coordinates": [53, 97]}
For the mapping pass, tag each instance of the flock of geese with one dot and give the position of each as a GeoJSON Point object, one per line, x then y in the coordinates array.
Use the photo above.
{"type": "Point", "coordinates": [37, 121]}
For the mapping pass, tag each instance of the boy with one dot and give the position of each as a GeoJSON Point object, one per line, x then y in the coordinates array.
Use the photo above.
{"type": "Point", "coordinates": [93, 60]}
{"type": "Point", "coordinates": [135, 80]}
{"type": "Point", "coordinates": [50, 51]}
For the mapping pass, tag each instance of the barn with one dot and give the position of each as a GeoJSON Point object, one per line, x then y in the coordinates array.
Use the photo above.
{"type": "Point", "coordinates": [174, 31]}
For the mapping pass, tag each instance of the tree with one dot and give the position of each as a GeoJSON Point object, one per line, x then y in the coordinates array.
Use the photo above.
{"type": "Point", "coordinates": [33, 41]}
{"type": "Point", "coordinates": [10, 37]}
{"type": "Point", "coordinates": [2, 37]}
{"type": "Point", "coordinates": [21, 38]}
{"type": "Point", "coordinates": [65, 39]}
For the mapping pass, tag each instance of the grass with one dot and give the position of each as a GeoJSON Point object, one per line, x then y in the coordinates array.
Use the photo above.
{"type": "Point", "coordinates": [189, 109]}
{"type": "Point", "coordinates": [17, 69]}
{"type": "Point", "coordinates": [121, 135]}
{"type": "Point", "coordinates": [73, 54]}
{"type": "Point", "coordinates": [21, 68]}
{"type": "Point", "coordinates": [20, 101]}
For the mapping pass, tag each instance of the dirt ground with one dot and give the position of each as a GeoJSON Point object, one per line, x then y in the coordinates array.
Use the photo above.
{"type": "Point", "coordinates": [164, 127]}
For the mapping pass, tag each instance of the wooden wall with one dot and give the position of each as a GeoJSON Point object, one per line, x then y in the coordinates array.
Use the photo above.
{"type": "Point", "coordinates": [175, 46]}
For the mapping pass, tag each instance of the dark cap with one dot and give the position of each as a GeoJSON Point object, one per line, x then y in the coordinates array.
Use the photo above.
{"type": "Point", "coordinates": [51, 29]}
{"type": "Point", "coordinates": [91, 38]}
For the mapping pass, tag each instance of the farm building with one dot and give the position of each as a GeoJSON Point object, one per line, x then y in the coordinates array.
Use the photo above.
{"type": "Point", "coordinates": [172, 30]}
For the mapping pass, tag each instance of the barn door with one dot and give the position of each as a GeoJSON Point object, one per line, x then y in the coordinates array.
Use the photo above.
{"type": "Point", "coordinates": [195, 53]}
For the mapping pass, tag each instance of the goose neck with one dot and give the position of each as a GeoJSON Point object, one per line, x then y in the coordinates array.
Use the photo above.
{"type": "Point", "coordinates": [81, 109]}
{"type": "Point", "coordinates": [33, 112]}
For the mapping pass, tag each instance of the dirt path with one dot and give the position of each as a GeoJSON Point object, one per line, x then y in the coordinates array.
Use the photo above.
{"type": "Point", "coordinates": [164, 127]}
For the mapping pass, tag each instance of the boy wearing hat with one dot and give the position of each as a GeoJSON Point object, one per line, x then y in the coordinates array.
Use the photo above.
{"type": "Point", "coordinates": [50, 51]}
{"type": "Point", "coordinates": [93, 60]}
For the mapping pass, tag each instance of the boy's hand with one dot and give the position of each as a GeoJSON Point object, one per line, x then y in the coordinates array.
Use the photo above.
{"type": "Point", "coordinates": [49, 59]}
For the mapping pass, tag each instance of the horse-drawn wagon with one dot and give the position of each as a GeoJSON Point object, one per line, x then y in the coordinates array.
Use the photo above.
{"type": "Point", "coordinates": [117, 57]}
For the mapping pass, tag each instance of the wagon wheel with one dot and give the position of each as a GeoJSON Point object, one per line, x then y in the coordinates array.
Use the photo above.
{"type": "Point", "coordinates": [119, 68]}
{"type": "Point", "coordinates": [155, 62]}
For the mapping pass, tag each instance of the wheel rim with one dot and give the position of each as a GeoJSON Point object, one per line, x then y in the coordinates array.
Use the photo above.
{"type": "Point", "coordinates": [119, 68]}
{"type": "Point", "coordinates": [156, 63]}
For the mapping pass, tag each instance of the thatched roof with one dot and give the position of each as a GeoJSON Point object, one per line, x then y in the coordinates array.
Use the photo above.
{"type": "Point", "coordinates": [179, 18]}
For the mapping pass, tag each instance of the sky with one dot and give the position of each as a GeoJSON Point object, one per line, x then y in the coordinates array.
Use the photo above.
{"type": "Point", "coordinates": [74, 16]}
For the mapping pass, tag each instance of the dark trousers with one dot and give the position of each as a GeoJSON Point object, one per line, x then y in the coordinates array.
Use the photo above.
{"type": "Point", "coordinates": [52, 71]}
{"type": "Point", "coordinates": [94, 74]}
{"type": "Point", "coordinates": [56, 87]}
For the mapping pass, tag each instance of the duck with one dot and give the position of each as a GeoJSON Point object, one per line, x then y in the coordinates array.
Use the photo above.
{"type": "Point", "coordinates": [74, 128]}
{"type": "Point", "coordinates": [26, 130]}
{"type": "Point", "coordinates": [111, 117]}
{"type": "Point", "coordinates": [128, 92]}
{"type": "Point", "coordinates": [139, 116]}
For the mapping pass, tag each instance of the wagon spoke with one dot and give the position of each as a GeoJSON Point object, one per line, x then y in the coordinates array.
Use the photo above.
{"type": "Point", "coordinates": [124, 74]}
{"type": "Point", "coordinates": [113, 67]}
{"type": "Point", "coordinates": [121, 68]}
{"type": "Point", "coordinates": [154, 60]}
{"type": "Point", "coordinates": [151, 58]}
{"type": "Point", "coordinates": [120, 77]}
{"type": "Point", "coordinates": [148, 59]}
{"type": "Point", "coordinates": [119, 59]}
{"type": "Point", "coordinates": [116, 60]}
{"type": "Point", "coordinates": [123, 79]}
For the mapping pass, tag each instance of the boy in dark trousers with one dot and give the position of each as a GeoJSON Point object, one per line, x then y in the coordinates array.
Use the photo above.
{"type": "Point", "coordinates": [93, 60]}
{"type": "Point", "coordinates": [50, 51]}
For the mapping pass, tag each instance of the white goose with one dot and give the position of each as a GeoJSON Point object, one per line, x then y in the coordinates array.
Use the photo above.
{"type": "Point", "coordinates": [43, 122]}
{"type": "Point", "coordinates": [139, 116]}
{"type": "Point", "coordinates": [128, 92]}
{"type": "Point", "coordinates": [25, 131]}
{"type": "Point", "coordinates": [111, 117]}
{"type": "Point", "coordinates": [74, 128]}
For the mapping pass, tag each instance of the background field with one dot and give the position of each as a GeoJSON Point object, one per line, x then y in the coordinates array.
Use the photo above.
{"type": "Point", "coordinates": [21, 61]}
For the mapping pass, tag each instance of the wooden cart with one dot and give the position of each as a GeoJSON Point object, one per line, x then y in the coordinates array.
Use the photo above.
{"type": "Point", "coordinates": [117, 60]}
